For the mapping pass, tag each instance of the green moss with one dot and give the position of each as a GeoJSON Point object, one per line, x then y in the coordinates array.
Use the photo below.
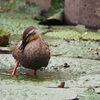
{"type": "Point", "coordinates": [35, 79]}
{"type": "Point", "coordinates": [90, 94]}
{"type": "Point", "coordinates": [24, 78]}
{"type": "Point", "coordinates": [15, 23]}
{"type": "Point", "coordinates": [71, 33]}
{"type": "Point", "coordinates": [3, 32]}
{"type": "Point", "coordinates": [13, 6]}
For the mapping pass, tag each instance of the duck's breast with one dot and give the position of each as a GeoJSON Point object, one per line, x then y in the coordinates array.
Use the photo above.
{"type": "Point", "coordinates": [35, 55]}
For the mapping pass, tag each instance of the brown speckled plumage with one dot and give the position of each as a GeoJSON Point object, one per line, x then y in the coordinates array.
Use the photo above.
{"type": "Point", "coordinates": [36, 53]}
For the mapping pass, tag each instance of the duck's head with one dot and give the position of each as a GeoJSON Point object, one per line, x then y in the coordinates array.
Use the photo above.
{"type": "Point", "coordinates": [29, 34]}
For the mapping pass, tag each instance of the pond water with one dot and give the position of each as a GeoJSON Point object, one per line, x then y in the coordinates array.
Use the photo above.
{"type": "Point", "coordinates": [82, 57]}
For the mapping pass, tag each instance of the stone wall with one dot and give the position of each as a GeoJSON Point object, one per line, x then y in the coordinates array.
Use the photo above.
{"type": "Point", "coordinates": [86, 12]}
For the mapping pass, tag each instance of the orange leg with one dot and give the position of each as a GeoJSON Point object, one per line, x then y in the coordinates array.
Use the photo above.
{"type": "Point", "coordinates": [13, 71]}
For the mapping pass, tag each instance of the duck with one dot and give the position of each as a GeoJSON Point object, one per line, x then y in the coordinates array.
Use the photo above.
{"type": "Point", "coordinates": [32, 51]}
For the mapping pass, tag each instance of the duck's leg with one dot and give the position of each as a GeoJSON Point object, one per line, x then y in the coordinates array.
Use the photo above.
{"type": "Point", "coordinates": [32, 73]}
{"type": "Point", "coordinates": [13, 71]}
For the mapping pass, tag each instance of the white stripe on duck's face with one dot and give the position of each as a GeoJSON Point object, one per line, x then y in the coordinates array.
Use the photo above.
{"type": "Point", "coordinates": [30, 32]}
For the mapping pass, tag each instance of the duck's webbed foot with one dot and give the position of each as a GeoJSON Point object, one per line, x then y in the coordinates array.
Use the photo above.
{"type": "Point", "coordinates": [13, 71]}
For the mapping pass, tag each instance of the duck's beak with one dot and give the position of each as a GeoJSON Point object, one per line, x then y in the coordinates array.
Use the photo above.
{"type": "Point", "coordinates": [20, 50]}
{"type": "Point", "coordinates": [22, 46]}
